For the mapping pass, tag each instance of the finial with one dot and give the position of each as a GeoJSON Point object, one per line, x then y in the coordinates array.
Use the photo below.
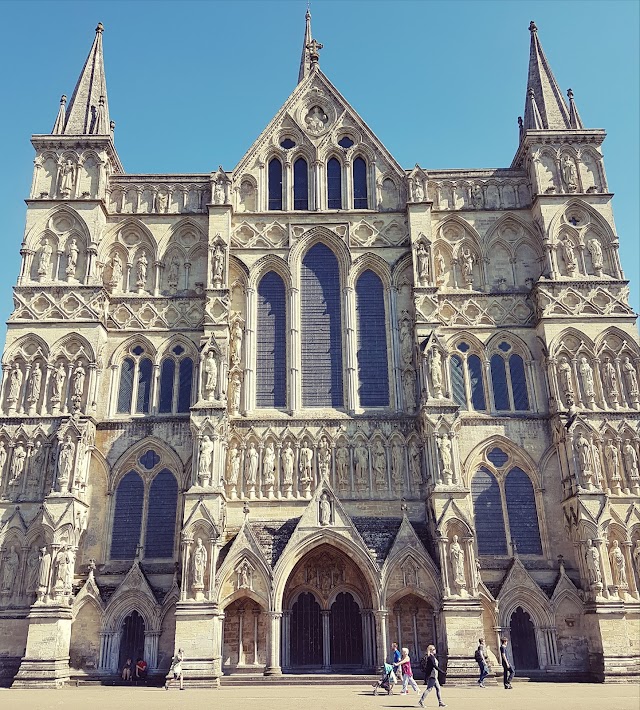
{"type": "Point", "coordinates": [112, 126]}
{"type": "Point", "coordinates": [520, 122]}
{"type": "Point", "coordinates": [245, 509]}
{"type": "Point", "coordinates": [532, 27]}
{"type": "Point", "coordinates": [403, 506]}
{"type": "Point", "coordinates": [561, 563]}
{"type": "Point", "coordinates": [314, 48]}
{"type": "Point", "coordinates": [100, 28]}
{"type": "Point", "coordinates": [63, 99]}
{"type": "Point", "coordinates": [101, 101]}
{"type": "Point", "coordinates": [570, 93]}
{"type": "Point", "coordinates": [531, 92]}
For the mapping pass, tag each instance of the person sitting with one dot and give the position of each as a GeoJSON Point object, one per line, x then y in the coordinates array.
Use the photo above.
{"type": "Point", "coordinates": [126, 670]}
{"type": "Point", "coordinates": [141, 669]}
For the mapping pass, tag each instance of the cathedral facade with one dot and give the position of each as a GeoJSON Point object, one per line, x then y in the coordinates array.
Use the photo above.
{"type": "Point", "coordinates": [283, 415]}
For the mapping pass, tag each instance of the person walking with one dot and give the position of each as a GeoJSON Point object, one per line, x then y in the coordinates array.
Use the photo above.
{"type": "Point", "coordinates": [407, 673]}
{"type": "Point", "coordinates": [432, 678]}
{"type": "Point", "coordinates": [175, 672]}
{"type": "Point", "coordinates": [481, 660]}
{"type": "Point", "coordinates": [395, 660]}
{"type": "Point", "coordinates": [507, 666]}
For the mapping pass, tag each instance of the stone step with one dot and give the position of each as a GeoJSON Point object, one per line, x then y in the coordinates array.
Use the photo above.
{"type": "Point", "coordinates": [298, 679]}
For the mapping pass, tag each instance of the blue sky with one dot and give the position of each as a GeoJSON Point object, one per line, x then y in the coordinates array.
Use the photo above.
{"type": "Point", "coordinates": [192, 84]}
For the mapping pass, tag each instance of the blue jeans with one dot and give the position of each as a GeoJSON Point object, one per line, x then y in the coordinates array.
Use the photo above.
{"type": "Point", "coordinates": [432, 683]}
{"type": "Point", "coordinates": [484, 672]}
{"type": "Point", "coordinates": [508, 675]}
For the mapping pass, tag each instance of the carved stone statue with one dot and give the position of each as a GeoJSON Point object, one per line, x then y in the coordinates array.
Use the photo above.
{"type": "Point", "coordinates": [245, 575]}
{"type": "Point", "coordinates": [162, 202]}
{"type": "Point", "coordinates": [236, 343]}
{"type": "Point", "coordinates": [466, 263]}
{"type": "Point", "coordinates": [57, 386]}
{"type": "Point", "coordinates": [205, 459]}
{"type": "Point", "coordinates": [435, 372]}
{"type": "Point", "coordinates": [586, 374]}
{"type": "Point", "coordinates": [630, 377]}
{"type": "Point", "coordinates": [306, 458]}
{"type": "Point", "coordinates": [64, 570]}
{"type": "Point", "coordinates": [565, 376]}
{"type": "Point", "coordinates": [72, 258]}
{"type": "Point", "coordinates": [397, 464]}
{"type": "Point", "coordinates": [597, 465]}
{"type": "Point", "coordinates": [43, 573]}
{"type": "Point", "coordinates": [78, 382]}
{"type": "Point", "coordinates": [35, 385]}
{"type": "Point", "coordinates": [415, 467]}
{"type": "Point", "coordinates": [418, 190]}
{"type": "Point", "coordinates": [199, 565]}
{"type": "Point", "coordinates": [142, 264]}
{"type": "Point", "coordinates": [17, 464]}
{"type": "Point", "coordinates": [423, 263]}
{"type": "Point", "coordinates": [325, 510]}
{"type": "Point", "coordinates": [217, 270]}
{"type": "Point", "coordinates": [116, 271]}
{"type": "Point", "coordinates": [10, 566]}
{"type": "Point", "coordinates": [44, 262]}
{"type": "Point", "coordinates": [441, 269]}
{"type": "Point", "coordinates": [610, 377]}
{"type": "Point", "coordinates": [33, 565]}
{"type": "Point", "coordinates": [3, 461]}
{"type": "Point", "coordinates": [234, 394]}
{"type": "Point", "coordinates": [65, 462]}
{"type": "Point", "coordinates": [211, 375]}
{"type": "Point", "coordinates": [406, 342]}
{"type": "Point", "coordinates": [288, 461]}
{"type": "Point", "coordinates": [324, 458]}
{"type": "Point", "coordinates": [618, 566]}
{"type": "Point", "coordinates": [251, 466]}
{"type": "Point", "coordinates": [173, 275]}
{"type": "Point", "coordinates": [568, 254]}
{"type": "Point", "coordinates": [630, 460]}
{"type": "Point", "coordinates": [569, 174]}
{"type": "Point", "coordinates": [593, 245]}
{"type": "Point", "coordinates": [636, 557]}
{"type": "Point", "coordinates": [444, 447]}
{"type": "Point", "coordinates": [342, 466]}
{"type": "Point", "coordinates": [612, 459]}
{"type": "Point", "coordinates": [268, 464]}
{"type": "Point", "coordinates": [67, 178]}
{"type": "Point", "coordinates": [477, 197]}
{"type": "Point", "coordinates": [583, 451]}
{"type": "Point", "coordinates": [592, 557]}
{"type": "Point", "coordinates": [233, 466]}
{"type": "Point", "coordinates": [379, 462]}
{"type": "Point", "coordinates": [456, 554]}
{"type": "Point", "coordinates": [361, 461]}
{"type": "Point", "coordinates": [409, 389]}
{"type": "Point", "coordinates": [15, 383]}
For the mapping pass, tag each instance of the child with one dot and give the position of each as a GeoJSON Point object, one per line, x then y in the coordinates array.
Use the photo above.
{"type": "Point", "coordinates": [176, 670]}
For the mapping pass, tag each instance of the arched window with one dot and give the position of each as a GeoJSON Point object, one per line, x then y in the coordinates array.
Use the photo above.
{"type": "Point", "coordinates": [373, 371]}
{"type": "Point", "coordinates": [300, 185]}
{"type": "Point", "coordinates": [271, 360]}
{"type": "Point", "coordinates": [125, 392]}
{"type": "Point", "coordinates": [476, 383]}
{"type": "Point", "coordinates": [321, 329]}
{"type": "Point", "coordinates": [499, 381]}
{"type": "Point", "coordinates": [136, 381]}
{"type": "Point", "coordinates": [275, 184]}
{"type": "Point", "coordinates": [467, 380]}
{"type": "Point", "coordinates": [487, 512]}
{"type": "Point", "coordinates": [509, 380]}
{"type": "Point", "coordinates": [167, 376]}
{"type": "Point", "coordinates": [145, 509]}
{"type": "Point", "coordinates": [360, 196]}
{"type": "Point", "coordinates": [143, 401]}
{"type": "Point", "coordinates": [457, 381]}
{"type": "Point", "coordinates": [185, 382]}
{"type": "Point", "coordinates": [176, 382]}
{"type": "Point", "coordinates": [518, 384]}
{"type": "Point", "coordinates": [523, 514]}
{"type": "Point", "coordinates": [127, 517]}
{"type": "Point", "coordinates": [334, 184]}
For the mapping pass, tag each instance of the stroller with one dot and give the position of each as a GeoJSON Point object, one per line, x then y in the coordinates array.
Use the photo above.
{"type": "Point", "coordinates": [387, 681]}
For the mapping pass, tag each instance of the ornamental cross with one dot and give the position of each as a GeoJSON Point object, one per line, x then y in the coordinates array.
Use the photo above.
{"type": "Point", "coordinates": [314, 48]}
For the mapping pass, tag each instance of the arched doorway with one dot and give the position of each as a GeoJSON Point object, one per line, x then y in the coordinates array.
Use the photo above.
{"type": "Point", "coordinates": [131, 639]}
{"type": "Point", "coordinates": [244, 636]}
{"type": "Point", "coordinates": [345, 629]}
{"type": "Point", "coordinates": [306, 632]}
{"type": "Point", "coordinates": [412, 624]}
{"type": "Point", "coordinates": [523, 641]}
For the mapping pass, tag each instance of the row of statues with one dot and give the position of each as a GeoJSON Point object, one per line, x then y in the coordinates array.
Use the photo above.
{"type": "Point", "coordinates": [579, 381]}
{"type": "Point", "coordinates": [69, 257]}
{"type": "Point", "coordinates": [617, 562]}
{"type": "Point", "coordinates": [47, 575]}
{"type": "Point", "coordinates": [590, 457]}
{"type": "Point", "coordinates": [572, 264]}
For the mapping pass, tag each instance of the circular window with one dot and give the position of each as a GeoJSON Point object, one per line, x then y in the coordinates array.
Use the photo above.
{"type": "Point", "coordinates": [287, 144]}
{"type": "Point", "coordinates": [345, 142]}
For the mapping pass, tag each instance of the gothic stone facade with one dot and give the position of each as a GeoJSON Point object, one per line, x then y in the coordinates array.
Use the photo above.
{"type": "Point", "coordinates": [283, 415]}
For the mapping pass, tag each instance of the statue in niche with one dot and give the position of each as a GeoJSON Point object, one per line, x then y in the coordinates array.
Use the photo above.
{"type": "Point", "coordinates": [379, 463]}
{"type": "Point", "coordinates": [233, 466]}
{"type": "Point", "coordinates": [162, 202]}
{"type": "Point", "coordinates": [325, 510]}
{"type": "Point", "coordinates": [597, 465]}
{"type": "Point", "coordinates": [409, 388]}
{"type": "Point", "coordinates": [173, 274]}
{"type": "Point", "coordinates": [418, 190]}
{"type": "Point", "coordinates": [44, 262]}
{"type": "Point", "coordinates": [415, 467]}
{"type": "Point", "coordinates": [141, 269]}
{"type": "Point", "coordinates": [397, 464]}
{"type": "Point", "coordinates": [245, 575]}
{"type": "Point", "coordinates": [568, 254]}
{"type": "Point", "coordinates": [422, 254]}
{"type": "Point", "coordinates": [236, 342]}
{"type": "Point", "coordinates": [630, 460]}
{"type": "Point", "coordinates": [435, 372]}
{"type": "Point", "coordinates": [205, 460]}
{"type": "Point", "coordinates": [288, 460]}
{"type": "Point", "coordinates": [211, 375]}
{"type": "Point", "coordinates": [67, 178]}
{"type": "Point", "coordinates": [361, 460]}
{"type": "Point", "coordinates": [618, 566]}
{"type": "Point", "coordinates": [64, 569]}
{"type": "Point", "coordinates": [251, 466]}
{"type": "Point", "coordinates": [38, 460]}
{"type": "Point", "coordinates": [316, 119]}
{"type": "Point", "coordinates": [218, 193]}
{"type": "Point", "coordinates": [592, 557]}
{"type": "Point", "coordinates": [610, 377]}
{"type": "Point", "coordinates": [116, 271]}
{"type": "Point", "coordinates": [234, 394]}
{"type": "Point", "coordinates": [15, 383]}
{"type": "Point", "coordinates": [583, 450]}
{"type": "Point", "coordinates": [477, 197]}
{"type": "Point", "coordinates": [3, 461]}
{"type": "Point", "coordinates": [444, 447]}
{"type": "Point", "coordinates": [586, 374]}
{"type": "Point", "coordinates": [57, 385]}
{"type": "Point", "coordinates": [406, 342]}
{"type": "Point", "coordinates": [569, 174]}
{"type": "Point", "coordinates": [218, 266]}
{"type": "Point", "coordinates": [9, 570]}
{"type": "Point", "coordinates": [636, 557]}
{"type": "Point", "coordinates": [17, 464]}
{"type": "Point", "coordinates": [72, 258]}
{"type": "Point", "coordinates": [630, 377]}
{"type": "Point", "coordinates": [35, 385]}
{"type": "Point", "coordinates": [466, 262]}
{"type": "Point", "coordinates": [612, 459]}
{"type": "Point", "coordinates": [456, 555]}
{"type": "Point", "coordinates": [247, 197]}
{"type": "Point", "coordinates": [43, 572]}
{"type": "Point", "coordinates": [65, 462]}
{"type": "Point", "coordinates": [78, 383]}
{"type": "Point", "coordinates": [324, 458]}
{"type": "Point", "coordinates": [306, 458]}
{"type": "Point", "coordinates": [199, 564]}
{"type": "Point", "coordinates": [593, 245]}
{"type": "Point", "coordinates": [33, 567]}
{"type": "Point", "coordinates": [342, 466]}
{"type": "Point", "coordinates": [565, 376]}
{"type": "Point", "coordinates": [268, 464]}
{"type": "Point", "coordinates": [441, 269]}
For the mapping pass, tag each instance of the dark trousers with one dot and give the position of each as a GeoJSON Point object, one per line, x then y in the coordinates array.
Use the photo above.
{"type": "Point", "coordinates": [508, 675]}
{"type": "Point", "coordinates": [484, 672]}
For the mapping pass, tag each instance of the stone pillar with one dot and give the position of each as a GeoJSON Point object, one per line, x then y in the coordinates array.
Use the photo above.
{"type": "Point", "coordinates": [462, 623]}
{"type": "Point", "coordinates": [326, 640]}
{"type": "Point", "coordinates": [295, 383]}
{"type": "Point", "coordinates": [273, 644]}
{"type": "Point", "coordinates": [381, 637]}
{"type": "Point", "coordinates": [196, 621]}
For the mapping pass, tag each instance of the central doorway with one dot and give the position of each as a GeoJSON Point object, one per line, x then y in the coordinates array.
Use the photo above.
{"type": "Point", "coordinates": [306, 632]}
{"type": "Point", "coordinates": [523, 641]}
{"type": "Point", "coordinates": [131, 639]}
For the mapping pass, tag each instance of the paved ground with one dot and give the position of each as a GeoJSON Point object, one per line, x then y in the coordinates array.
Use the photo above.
{"type": "Point", "coordinates": [524, 696]}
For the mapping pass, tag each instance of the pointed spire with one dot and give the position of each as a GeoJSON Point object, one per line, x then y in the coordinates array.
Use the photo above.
{"type": "Point", "coordinates": [58, 126]}
{"type": "Point", "coordinates": [550, 103]}
{"type": "Point", "coordinates": [305, 59]}
{"type": "Point", "coordinates": [86, 114]}
{"type": "Point", "coordinates": [574, 117]}
{"type": "Point", "coordinates": [532, 117]}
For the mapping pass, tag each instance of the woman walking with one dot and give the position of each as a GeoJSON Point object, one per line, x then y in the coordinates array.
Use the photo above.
{"type": "Point", "coordinates": [432, 677]}
{"type": "Point", "coordinates": [407, 673]}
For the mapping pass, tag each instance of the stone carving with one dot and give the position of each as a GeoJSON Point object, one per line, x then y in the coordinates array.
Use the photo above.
{"type": "Point", "coordinates": [211, 375]}
{"type": "Point", "coordinates": [325, 510]}
{"type": "Point", "coordinates": [17, 464]}
{"type": "Point", "coordinates": [435, 372]}
{"type": "Point", "coordinates": [422, 255]}
{"type": "Point", "coordinates": [618, 566]}
{"type": "Point", "coordinates": [636, 557]}
{"type": "Point", "coordinates": [586, 375]}
{"type": "Point", "coordinates": [3, 462]}
{"type": "Point", "coordinates": [245, 575]}
{"type": "Point", "coordinates": [342, 466]}
{"type": "Point", "coordinates": [288, 461]}
{"type": "Point", "coordinates": [324, 458]}
{"type": "Point", "coordinates": [477, 197]}
{"type": "Point", "coordinates": [162, 201]}
{"type": "Point", "coordinates": [251, 465]}
{"type": "Point", "coordinates": [466, 263]}
{"type": "Point", "coordinates": [456, 555]}
{"type": "Point", "coordinates": [10, 565]}
{"type": "Point", "coordinates": [15, 384]}
{"type": "Point", "coordinates": [361, 461]}
{"type": "Point", "coordinates": [444, 448]}
{"type": "Point", "coordinates": [67, 179]}
{"type": "Point", "coordinates": [565, 376]}
{"type": "Point", "coordinates": [235, 389]}
{"type": "Point", "coordinates": [315, 120]}
{"type": "Point", "coordinates": [409, 389]}
{"type": "Point", "coordinates": [306, 458]}
{"type": "Point", "coordinates": [217, 266]}
{"type": "Point", "coordinates": [415, 467]}
{"type": "Point", "coordinates": [397, 464]}
{"type": "Point", "coordinates": [441, 269]}
{"type": "Point", "coordinates": [236, 342]}
{"type": "Point", "coordinates": [233, 466]}
{"type": "Point", "coordinates": [43, 573]}
{"type": "Point", "coordinates": [33, 566]}
{"type": "Point", "coordinates": [142, 264]}
{"type": "Point", "coordinates": [569, 174]}
{"type": "Point", "coordinates": [406, 342]}
{"type": "Point", "coordinates": [57, 387]}
{"type": "Point", "coordinates": [199, 566]}
{"type": "Point", "coordinates": [592, 556]}
{"type": "Point", "coordinates": [597, 465]}
{"type": "Point", "coordinates": [116, 271]}
{"type": "Point", "coordinates": [610, 379]}
{"type": "Point", "coordinates": [568, 254]}
{"type": "Point", "coordinates": [612, 459]}
{"type": "Point", "coordinates": [631, 461]}
{"type": "Point", "coordinates": [72, 258]}
{"type": "Point", "coordinates": [44, 262]}
{"type": "Point", "coordinates": [205, 460]}
{"type": "Point", "coordinates": [593, 245]}
{"type": "Point", "coordinates": [583, 452]}
{"type": "Point", "coordinates": [65, 463]}
{"type": "Point", "coordinates": [268, 464]}
{"type": "Point", "coordinates": [64, 570]}
{"type": "Point", "coordinates": [34, 386]}
{"type": "Point", "coordinates": [78, 385]}
{"type": "Point", "coordinates": [631, 378]}
{"type": "Point", "coordinates": [173, 275]}
{"type": "Point", "coordinates": [379, 464]}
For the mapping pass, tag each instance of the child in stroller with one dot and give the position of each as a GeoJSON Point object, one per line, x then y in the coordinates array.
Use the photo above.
{"type": "Point", "coordinates": [387, 681]}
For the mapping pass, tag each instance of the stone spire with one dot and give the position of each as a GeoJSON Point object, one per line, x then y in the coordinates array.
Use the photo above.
{"type": "Point", "coordinates": [306, 60]}
{"type": "Point", "coordinates": [88, 111]}
{"type": "Point", "coordinates": [58, 126]}
{"type": "Point", "coordinates": [574, 117]}
{"type": "Point", "coordinates": [548, 100]}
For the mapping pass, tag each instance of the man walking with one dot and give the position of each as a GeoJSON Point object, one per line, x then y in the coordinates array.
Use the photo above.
{"type": "Point", "coordinates": [507, 666]}
{"type": "Point", "coordinates": [395, 660]}
{"type": "Point", "coordinates": [481, 660]}
{"type": "Point", "coordinates": [432, 677]}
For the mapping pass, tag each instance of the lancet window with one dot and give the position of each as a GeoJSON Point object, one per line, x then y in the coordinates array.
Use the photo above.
{"type": "Point", "coordinates": [176, 382]}
{"type": "Point", "coordinates": [508, 380]}
{"type": "Point", "coordinates": [134, 392]}
{"type": "Point", "coordinates": [334, 184]}
{"type": "Point", "coordinates": [300, 185]}
{"type": "Point", "coordinates": [275, 184]}
{"type": "Point", "coordinates": [271, 360]}
{"type": "Point", "coordinates": [360, 191]}
{"type": "Point", "coordinates": [467, 379]}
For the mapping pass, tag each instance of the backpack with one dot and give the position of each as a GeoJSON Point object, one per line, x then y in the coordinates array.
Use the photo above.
{"type": "Point", "coordinates": [423, 663]}
{"type": "Point", "coordinates": [478, 656]}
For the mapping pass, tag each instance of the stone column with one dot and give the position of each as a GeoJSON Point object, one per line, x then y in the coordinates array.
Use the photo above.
{"type": "Point", "coordinates": [443, 544]}
{"type": "Point", "coordinates": [151, 639]}
{"type": "Point", "coordinates": [241, 658]}
{"type": "Point", "coordinates": [273, 644]}
{"type": "Point", "coordinates": [381, 636]}
{"type": "Point", "coordinates": [249, 388]}
{"type": "Point", "coordinates": [326, 640]}
{"type": "Point", "coordinates": [351, 362]}
{"type": "Point", "coordinates": [286, 639]}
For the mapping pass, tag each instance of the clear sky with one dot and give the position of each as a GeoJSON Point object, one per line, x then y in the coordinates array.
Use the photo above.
{"type": "Point", "coordinates": [192, 84]}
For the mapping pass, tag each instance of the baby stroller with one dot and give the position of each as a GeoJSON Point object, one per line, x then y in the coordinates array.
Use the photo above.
{"type": "Point", "coordinates": [387, 681]}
